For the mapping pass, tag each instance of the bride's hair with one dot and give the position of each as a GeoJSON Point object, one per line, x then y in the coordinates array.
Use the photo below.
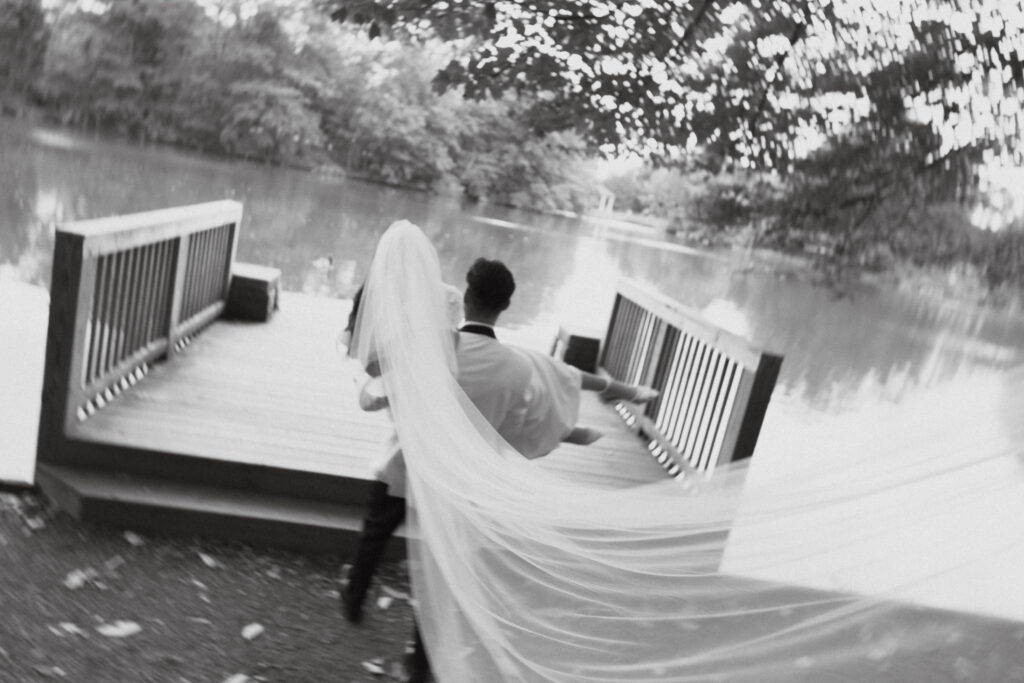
{"type": "Point", "coordinates": [490, 285]}
{"type": "Point", "coordinates": [354, 312]}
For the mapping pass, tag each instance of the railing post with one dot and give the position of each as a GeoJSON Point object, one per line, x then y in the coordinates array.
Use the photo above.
{"type": "Point", "coordinates": [71, 289]}
{"type": "Point", "coordinates": [760, 393]}
{"type": "Point", "coordinates": [612, 322]}
{"type": "Point", "coordinates": [232, 250]}
{"type": "Point", "coordinates": [177, 294]}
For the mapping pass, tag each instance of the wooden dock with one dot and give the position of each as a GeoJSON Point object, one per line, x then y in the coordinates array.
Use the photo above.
{"type": "Point", "coordinates": [254, 432]}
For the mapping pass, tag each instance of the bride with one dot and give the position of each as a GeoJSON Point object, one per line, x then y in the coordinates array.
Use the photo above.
{"type": "Point", "coordinates": [521, 575]}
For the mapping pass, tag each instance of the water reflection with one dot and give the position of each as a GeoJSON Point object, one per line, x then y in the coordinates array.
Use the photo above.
{"type": "Point", "coordinates": [874, 348]}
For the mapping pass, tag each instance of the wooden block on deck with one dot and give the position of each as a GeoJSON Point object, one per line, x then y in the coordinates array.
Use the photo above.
{"type": "Point", "coordinates": [254, 292]}
{"type": "Point", "coordinates": [576, 349]}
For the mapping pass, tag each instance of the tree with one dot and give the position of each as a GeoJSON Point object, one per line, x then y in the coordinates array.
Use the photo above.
{"type": "Point", "coordinates": [924, 92]}
{"type": "Point", "coordinates": [23, 36]}
{"type": "Point", "coordinates": [119, 68]}
{"type": "Point", "coordinates": [743, 77]}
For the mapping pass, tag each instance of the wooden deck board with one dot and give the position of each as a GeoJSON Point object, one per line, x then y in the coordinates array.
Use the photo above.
{"type": "Point", "coordinates": [281, 394]}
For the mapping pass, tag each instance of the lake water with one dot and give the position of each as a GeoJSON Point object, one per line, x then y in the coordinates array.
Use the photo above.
{"type": "Point", "coordinates": [877, 346]}
{"type": "Point", "coordinates": [850, 364]}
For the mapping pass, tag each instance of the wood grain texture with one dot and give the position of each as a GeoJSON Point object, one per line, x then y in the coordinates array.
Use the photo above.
{"type": "Point", "coordinates": [280, 394]}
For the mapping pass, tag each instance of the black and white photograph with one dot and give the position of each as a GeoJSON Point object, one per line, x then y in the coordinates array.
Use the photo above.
{"type": "Point", "coordinates": [511, 341]}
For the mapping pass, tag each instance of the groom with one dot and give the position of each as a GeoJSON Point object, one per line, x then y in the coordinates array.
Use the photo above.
{"type": "Point", "coordinates": [496, 379]}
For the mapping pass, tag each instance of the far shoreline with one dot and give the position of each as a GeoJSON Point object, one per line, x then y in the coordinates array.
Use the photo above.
{"type": "Point", "coordinates": [933, 283]}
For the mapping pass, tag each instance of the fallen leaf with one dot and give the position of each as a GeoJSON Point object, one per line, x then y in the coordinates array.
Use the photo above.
{"type": "Point", "coordinates": [374, 668]}
{"type": "Point", "coordinates": [50, 671]}
{"type": "Point", "coordinates": [274, 572]}
{"type": "Point", "coordinates": [237, 678]}
{"type": "Point", "coordinates": [134, 539]}
{"type": "Point", "coordinates": [252, 631]}
{"type": "Point", "coordinates": [209, 561]}
{"type": "Point", "coordinates": [68, 627]}
{"type": "Point", "coordinates": [397, 595]}
{"type": "Point", "coordinates": [383, 602]}
{"type": "Point", "coordinates": [79, 577]}
{"type": "Point", "coordinates": [119, 629]}
{"type": "Point", "coordinates": [113, 563]}
{"type": "Point", "coordinates": [35, 523]}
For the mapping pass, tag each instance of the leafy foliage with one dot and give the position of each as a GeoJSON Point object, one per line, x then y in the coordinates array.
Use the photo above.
{"type": "Point", "coordinates": [867, 109]}
{"type": "Point", "coordinates": [745, 79]}
{"type": "Point", "coordinates": [282, 84]}
{"type": "Point", "coordinates": [23, 36]}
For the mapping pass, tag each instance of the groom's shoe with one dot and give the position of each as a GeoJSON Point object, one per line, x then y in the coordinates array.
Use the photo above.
{"type": "Point", "coordinates": [415, 670]}
{"type": "Point", "coordinates": [351, 608]}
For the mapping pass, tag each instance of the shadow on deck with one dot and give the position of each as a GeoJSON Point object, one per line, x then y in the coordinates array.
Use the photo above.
{"type": "Point", "coordinates": [254, 433]}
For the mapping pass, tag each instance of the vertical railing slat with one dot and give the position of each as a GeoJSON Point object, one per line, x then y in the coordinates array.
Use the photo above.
{"type": "Point", "coordinates": [707, 419]}
{"type": "Point", "coordinates": [112, 311]}
{"type": "Point", "coordinates": [676, 387]}
{"type": "Point", "coordinates": [662, 375]}
{"type": "Point", "coordinates": [687, 416]}
{"type": "Point", "coordinates": [127, 294]}
{"type": "Point", "coordinates": [95, 321]}
{"type": "Point", "coordinates": [707, 381]}
{"type": "Point", "coordinates": [179, 270]}
{"type": "Point", "coordinates": [151, 294]}
{"type": "Point", "coordinates": [696, 365]}
{"type": "Point", "coordinates": [109, 282]}
{"type": "Point", "coordinates": [728, 397]}
{"type": "Point", "coordinates": [201, 269]}
{"type": "Point", "coordinates": [133, 303]}
{"type": "Point", "coordinates": [167, 269]}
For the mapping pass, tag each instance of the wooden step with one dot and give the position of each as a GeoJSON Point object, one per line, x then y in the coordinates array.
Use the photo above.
{"type": "Point", "coordinates": [185, 508]}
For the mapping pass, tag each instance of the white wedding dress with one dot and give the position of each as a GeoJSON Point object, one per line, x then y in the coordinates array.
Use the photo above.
{"type": "Point", "coordinates": [520, 575]}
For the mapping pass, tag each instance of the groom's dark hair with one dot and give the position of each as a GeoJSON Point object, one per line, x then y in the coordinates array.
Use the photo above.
{"type": "Point", "coordinates": [490, 285]}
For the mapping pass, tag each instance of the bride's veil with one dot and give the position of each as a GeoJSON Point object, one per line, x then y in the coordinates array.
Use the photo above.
{"type": "Point", "coordinates": [522, 575]}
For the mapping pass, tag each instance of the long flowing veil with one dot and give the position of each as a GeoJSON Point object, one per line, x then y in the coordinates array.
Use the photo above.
{"type": "Point", "coordinates": [523, 575]}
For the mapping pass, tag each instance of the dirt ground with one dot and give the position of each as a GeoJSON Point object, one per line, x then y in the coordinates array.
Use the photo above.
{"type": "Point", "coordinates": [84, 604]}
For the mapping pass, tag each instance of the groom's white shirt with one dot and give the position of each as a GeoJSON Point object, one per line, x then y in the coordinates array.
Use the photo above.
{"type": "Point", "coordinates": [495, 378]}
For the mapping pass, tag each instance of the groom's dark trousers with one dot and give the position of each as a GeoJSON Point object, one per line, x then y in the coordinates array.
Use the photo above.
{"type": "Point", "coordinates": [384, 514]}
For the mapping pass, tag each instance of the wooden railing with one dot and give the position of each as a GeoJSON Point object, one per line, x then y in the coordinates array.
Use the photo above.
{"type": "Point", "coordinates": [127, 291]}
{"type": "Point", "coordinates": [714, 386]}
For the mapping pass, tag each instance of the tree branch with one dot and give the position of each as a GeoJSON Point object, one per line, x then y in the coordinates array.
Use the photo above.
{"type": "Point", "coordinates": [697, 18]}
{"type": "Point", "coordinates": [795, 37]}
